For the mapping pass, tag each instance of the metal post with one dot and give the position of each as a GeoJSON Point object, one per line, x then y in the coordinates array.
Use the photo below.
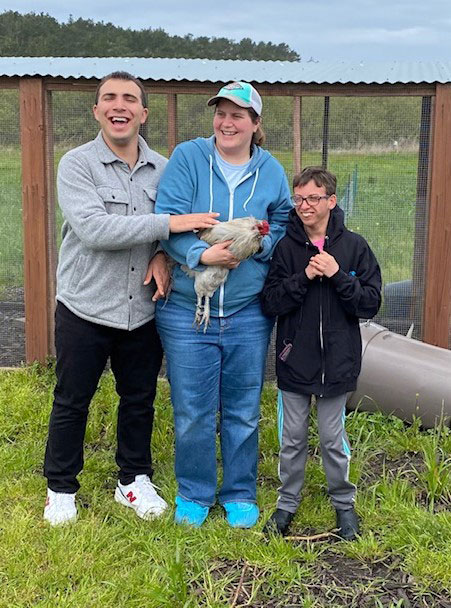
{"type": "Point", "coordinates": [325, 132]}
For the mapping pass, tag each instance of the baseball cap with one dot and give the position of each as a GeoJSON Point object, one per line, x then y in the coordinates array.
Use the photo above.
{"type": "Point", "coordinates": [241, 93]}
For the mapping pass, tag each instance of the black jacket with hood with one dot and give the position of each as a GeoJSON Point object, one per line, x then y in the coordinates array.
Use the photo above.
{"type": "Point", "coordinates": [318, 347]}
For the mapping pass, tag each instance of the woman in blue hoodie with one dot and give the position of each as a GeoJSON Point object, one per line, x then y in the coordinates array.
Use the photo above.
{"type": "Point", "coordinates": [220, 372]}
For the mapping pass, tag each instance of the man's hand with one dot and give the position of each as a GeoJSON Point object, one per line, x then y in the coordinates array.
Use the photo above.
{"type": "Point", "coordinates": [219, 255]}
{"type": "Point", "coordinates": [192, 221]}
{"type": "Point", "coordinates": [324, 264]}
{"type": "Point", "coordinates": [158, 269]}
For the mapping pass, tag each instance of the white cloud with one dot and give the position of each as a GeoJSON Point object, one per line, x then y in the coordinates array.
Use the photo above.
{"type": "Point", "coordinates": [383, 35]}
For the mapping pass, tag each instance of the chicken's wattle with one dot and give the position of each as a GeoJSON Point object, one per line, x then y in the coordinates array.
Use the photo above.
{"type": "Point", "coordinates": [263, 227]}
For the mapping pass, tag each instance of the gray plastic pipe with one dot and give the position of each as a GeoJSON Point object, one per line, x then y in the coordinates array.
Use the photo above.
{"type": "Point", "coordinates": [403, 376]}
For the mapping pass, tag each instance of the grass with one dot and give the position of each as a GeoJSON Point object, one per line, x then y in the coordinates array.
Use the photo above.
{"type": "Point", "coordinates": [384, 208]}
{"type": "Point", "coordinates": [111, 558]}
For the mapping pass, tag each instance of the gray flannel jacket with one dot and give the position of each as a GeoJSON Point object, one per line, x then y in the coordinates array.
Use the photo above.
{"type": "Point", "coordinates": [109, 234]}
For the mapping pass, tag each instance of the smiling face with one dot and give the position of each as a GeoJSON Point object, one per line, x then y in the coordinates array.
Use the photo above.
{"type": "Point", "coordinates": [315, 217]}
{"type": "Point", "coordinates": [233, 128]}
{"type": "Point", "coordinates": [120, 112]}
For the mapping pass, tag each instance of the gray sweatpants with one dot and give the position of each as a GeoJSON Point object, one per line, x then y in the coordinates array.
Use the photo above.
{"type": "Point", "coordinates": [293, 419]}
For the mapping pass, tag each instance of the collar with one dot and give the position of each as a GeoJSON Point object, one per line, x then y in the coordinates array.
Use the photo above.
{"type": "Point", "coordinates": [258, 156]}
{"type": "Point", "coordinates": [107, 156]}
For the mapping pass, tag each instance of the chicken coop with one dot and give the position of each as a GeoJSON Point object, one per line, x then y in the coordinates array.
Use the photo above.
{"type": "Point", "coordinates": [384, 129]}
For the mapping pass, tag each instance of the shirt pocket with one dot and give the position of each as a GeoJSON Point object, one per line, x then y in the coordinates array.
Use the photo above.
{"type": "Point", "coordinates": [304, 357]}
{"type": "Point", "coordinates": [115, 200]}
{"type": "Point", "coordinates": [150, 196]}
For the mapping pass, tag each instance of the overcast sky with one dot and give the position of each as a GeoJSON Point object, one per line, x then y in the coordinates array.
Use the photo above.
{"type": "Point", "coordinates": [352, 30]}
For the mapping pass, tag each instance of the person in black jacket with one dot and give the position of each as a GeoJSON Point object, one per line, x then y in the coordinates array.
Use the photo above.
{"type": "Point", "coordinates": [322, 279]}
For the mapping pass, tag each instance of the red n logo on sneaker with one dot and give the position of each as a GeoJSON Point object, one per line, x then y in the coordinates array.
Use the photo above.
{"type": "Point", "coordinates": [131, 497]}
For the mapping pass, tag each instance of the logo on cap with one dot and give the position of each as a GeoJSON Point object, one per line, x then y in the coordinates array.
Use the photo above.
{"type": "Point", "coordinates": [233, 86]}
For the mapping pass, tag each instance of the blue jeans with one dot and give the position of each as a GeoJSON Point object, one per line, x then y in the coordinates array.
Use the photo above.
{"type": "Point", "coordinates": [221, 370]}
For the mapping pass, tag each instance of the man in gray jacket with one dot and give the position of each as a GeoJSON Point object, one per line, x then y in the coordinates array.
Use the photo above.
{"type": "Point", "coordinates": [105, 302]}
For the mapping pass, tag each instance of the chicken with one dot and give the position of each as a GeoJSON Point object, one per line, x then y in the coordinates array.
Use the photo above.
{"type": "Point", "coordinates": [246, 234]}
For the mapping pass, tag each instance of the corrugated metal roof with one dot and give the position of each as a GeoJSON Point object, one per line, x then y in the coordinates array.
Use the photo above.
{"type": "Point", "coordinates": [207, 70]}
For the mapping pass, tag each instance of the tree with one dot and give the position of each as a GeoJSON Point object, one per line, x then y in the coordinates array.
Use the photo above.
{"type": "Point", "coordinates": [36, 35]}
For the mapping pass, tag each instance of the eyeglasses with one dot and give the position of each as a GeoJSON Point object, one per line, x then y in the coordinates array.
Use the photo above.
{"type": "Point", "coordinates": [312, 199]}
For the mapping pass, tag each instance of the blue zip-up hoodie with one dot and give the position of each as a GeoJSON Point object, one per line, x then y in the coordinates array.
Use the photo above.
{"type": "Point", "coordinates": [192, 183]}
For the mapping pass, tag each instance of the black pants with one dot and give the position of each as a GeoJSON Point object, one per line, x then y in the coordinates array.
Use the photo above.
{"type": "Point", "coordinates": [82, 350]}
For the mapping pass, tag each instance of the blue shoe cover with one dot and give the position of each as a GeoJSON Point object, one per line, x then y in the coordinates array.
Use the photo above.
{"type": "Point", "coordinates": [241, 514]}
{"type": "Point", "coordinates": [189, 512]}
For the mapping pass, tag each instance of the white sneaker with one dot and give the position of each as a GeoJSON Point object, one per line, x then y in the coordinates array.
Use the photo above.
{"type": "Point", "coordinates": [59, 508]}
{"type": "Point", "coordinates": [141, 496]}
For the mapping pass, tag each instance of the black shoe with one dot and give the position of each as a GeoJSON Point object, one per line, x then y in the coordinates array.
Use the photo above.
{"type": "Point", "coordinates": [279, 522]}
{"type": "Point", "coordinates": [347, 523]}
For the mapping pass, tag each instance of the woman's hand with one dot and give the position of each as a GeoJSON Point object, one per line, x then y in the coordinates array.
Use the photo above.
{"type": "Point", "coordinates": [219, 255]}
{"type": "Point", "coordinates": [192, 221]}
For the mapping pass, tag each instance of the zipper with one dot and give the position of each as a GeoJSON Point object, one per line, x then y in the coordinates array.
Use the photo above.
{"type": "Point", "coordinates": [231, 195]}
{"type": "Point", "coordinates": [321, 337]}
{"type": "Point", "coordinates": [231, 201]}
{"type": "Point", "coordinates": [221, 288]}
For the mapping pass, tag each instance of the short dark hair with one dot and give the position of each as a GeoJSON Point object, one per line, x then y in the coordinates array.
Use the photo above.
{"type": "Point", "coordinates": [123, 76]}
{"type": "Point", "coordinates": [321, 177]}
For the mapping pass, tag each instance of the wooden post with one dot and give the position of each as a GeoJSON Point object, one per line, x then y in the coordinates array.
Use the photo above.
{"type": "Point", "coordinates": [37, 281]}
{"type": "Point", "coordinates": [51, 217]}
{"type": "Point", "coordinates": [172, 122]}
{"type": "Point", "coordinates": [437, 307]}
{"type": "Point", "coordinates": [297, 133]}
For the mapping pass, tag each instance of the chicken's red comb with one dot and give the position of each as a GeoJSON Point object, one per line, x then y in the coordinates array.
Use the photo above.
{"type": "Point", "coordinates": [263, 227]}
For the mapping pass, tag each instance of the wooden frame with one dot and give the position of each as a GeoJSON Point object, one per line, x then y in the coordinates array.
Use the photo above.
{"type": "Point", "coordinates": [437, 305]}
{"type": "Point", "coordinates": [38, 188]}
{"type": "Point", "coordinates": [37, 199]}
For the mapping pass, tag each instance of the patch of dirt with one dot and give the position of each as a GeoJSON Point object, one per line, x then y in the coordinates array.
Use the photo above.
{"type": "Point", "coordinates": [336, 581]}
{"type": "Point", "coordinates": [406, 465]}
{"type": "Point", "coordinates": [343, 581]}
{"type": "Point", "coordinates": [12, 327]}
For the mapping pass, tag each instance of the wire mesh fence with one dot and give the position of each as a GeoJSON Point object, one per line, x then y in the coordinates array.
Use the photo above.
{"type": "Point", "coordinates": [372, 145]}
{"type": "Point", "coordinates": [377, 147]}
{"type": "Point", "coordinates": [12, 315]}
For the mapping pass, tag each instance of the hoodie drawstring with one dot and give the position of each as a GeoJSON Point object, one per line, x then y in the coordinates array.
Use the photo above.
{"type": "Point", "coordinates": [253, 188]}
{"type": "Point", "coordinates": [211, 183]}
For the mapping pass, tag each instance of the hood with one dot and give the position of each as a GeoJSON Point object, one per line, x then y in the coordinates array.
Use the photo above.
{"type": "Point", "coordinates": [207, 146]}
{"type": "Point", "coordinates": [335, 227]}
